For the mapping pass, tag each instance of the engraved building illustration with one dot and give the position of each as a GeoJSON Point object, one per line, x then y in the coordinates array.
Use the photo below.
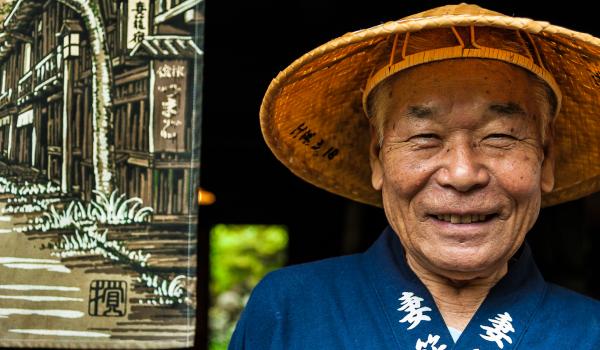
{"type": "Point", "coordinates": [99, 147]}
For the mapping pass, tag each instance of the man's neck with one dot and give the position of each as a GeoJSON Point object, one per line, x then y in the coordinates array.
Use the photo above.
{"type": "Point", "coordinates": [457, 300]}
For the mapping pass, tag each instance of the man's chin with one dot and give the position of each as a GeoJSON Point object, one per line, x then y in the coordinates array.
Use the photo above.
{"type": "Point", "coordinates": [465, 264]}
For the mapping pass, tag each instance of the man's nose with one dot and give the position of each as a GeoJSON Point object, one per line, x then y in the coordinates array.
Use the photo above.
{"type": "Point", "coordinates": [462, 168]}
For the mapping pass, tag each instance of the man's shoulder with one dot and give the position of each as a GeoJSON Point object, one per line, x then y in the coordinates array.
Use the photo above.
{"type": "Point", "coordinates": [565, 318]}
{"type": "Point", "coordinates": [570, 306]}
{"type": "Point", "coordinates": [561, 297]}
{"type": "Point", "coordinates": [285, 306]}
{"type": "Point", "coordinates": [307, 291]}
{"type": "Point", "coordinates": [318, 273]}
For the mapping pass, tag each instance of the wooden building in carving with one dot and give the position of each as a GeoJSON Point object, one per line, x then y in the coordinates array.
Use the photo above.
{"type": "Point", "coordinates": [46, 109]}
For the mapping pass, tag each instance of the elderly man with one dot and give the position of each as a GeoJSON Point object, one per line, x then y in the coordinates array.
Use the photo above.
{"type": "Point", "coordinates": [476, 120]}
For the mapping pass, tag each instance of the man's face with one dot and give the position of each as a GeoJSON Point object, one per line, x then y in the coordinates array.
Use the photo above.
{"type": "Point", "coordinates": [462, 165]}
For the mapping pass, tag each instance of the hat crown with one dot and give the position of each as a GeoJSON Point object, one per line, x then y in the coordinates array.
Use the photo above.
{"type": "Point", "coordinates": [453, 10]}
{"type": "Point", "coordinates": [429, 45]}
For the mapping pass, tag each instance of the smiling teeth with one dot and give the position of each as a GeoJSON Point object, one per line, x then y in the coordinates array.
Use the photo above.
{"type": "Point", "coordinates": [461, 219]}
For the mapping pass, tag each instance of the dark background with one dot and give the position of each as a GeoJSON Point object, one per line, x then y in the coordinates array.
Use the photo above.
{"type": "Point", "coordinates": [247, 44]}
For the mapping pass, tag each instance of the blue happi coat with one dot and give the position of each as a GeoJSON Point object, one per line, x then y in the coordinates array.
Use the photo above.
{"type": "Point", "coordinates": [374, 301]}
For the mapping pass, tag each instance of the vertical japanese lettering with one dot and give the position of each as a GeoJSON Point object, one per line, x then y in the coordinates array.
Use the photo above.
{"type": "Point", "coordinates": [411, 305]}
{"type": "Point", "coordinates": [501, 325]}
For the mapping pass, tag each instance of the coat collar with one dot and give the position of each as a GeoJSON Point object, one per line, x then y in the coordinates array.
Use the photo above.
{"type": "Point", "coordinates": [414, 319]}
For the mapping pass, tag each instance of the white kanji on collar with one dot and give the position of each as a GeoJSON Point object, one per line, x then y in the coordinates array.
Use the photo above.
{"type": "Point", "coordinates": [411, 304]}
{"type": "Point", "coordinates": [501, 325]}
{"type": "Point", "coordinates": [431, 340]}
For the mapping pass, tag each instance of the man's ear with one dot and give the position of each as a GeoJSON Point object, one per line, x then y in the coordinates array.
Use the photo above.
{"type": "Point", "coordinates": [376, 165]}
{"type": "Point", "coordinates": [547, 171]}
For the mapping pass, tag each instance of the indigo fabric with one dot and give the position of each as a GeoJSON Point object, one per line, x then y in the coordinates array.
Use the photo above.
{"type": "Point", "coordinates": [374, 301]}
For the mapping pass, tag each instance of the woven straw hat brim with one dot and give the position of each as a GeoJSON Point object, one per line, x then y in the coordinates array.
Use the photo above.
{"type": "Point", "coordinates": [312, 117]}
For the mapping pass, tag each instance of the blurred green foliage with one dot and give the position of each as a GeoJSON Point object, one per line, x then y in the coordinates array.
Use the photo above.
{"type": "Point", "coordinates": [240, 256]}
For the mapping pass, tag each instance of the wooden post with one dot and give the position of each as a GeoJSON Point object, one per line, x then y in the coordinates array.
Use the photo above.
{"type": "Point", "coordinates": [66, 144]}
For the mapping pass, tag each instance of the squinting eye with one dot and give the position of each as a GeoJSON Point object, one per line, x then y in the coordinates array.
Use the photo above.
{"type": "Point", "coordinates": [499, 140]}
{"type": "Point", "coordinates": [493, 136]}
{"type": "Point", "coordinates": [425, 136]}
{"type": "Point", "coordinates": [425, 140]}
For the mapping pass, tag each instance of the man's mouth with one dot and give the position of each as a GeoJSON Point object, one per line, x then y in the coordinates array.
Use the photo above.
{"type": "Point", "coordinates": [464, 219]}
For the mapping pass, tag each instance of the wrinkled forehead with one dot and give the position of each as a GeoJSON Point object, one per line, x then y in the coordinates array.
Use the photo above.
{"type": "Point", "coordinates": [438, 87]}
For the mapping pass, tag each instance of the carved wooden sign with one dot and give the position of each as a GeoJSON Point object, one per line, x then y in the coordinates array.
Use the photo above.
{"type": "Point", "coordinates": [169, 105]}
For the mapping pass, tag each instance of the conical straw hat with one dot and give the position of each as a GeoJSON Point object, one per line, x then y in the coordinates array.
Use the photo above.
{"type": "Point", "coordinates": [312, 115]}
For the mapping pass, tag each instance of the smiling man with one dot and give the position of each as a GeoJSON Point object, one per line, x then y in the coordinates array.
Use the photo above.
{"type": "Point", "coordinates": [474, 120]}
{"type": "Point", "coordinates": [461, 165]}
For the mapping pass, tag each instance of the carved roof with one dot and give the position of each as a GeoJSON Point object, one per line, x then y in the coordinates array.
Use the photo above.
{"type": "Point", "coordinates": [166, 46]}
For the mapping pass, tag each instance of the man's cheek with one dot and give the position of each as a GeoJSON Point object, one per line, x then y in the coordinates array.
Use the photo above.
{"type": "Point", "coordinates": [402, 187]}
{"type": "Point", "coordinates": [519, 174]}
{"type": "Point", "coordinates": [408, 175]}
